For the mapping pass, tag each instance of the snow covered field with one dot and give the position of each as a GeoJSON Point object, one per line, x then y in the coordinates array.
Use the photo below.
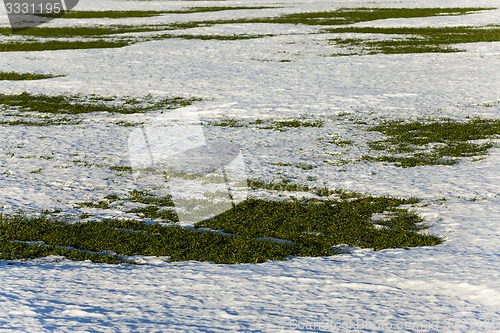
{"type": "Point", "coordinates": [452, 287]}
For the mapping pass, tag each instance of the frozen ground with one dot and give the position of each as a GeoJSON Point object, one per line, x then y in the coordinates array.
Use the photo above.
{"type": "Point", "coordinates": [449, 288]}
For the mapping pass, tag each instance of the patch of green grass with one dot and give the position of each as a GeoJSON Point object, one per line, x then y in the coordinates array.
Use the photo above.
{"type": "Point", "coordinates": [443, 142]}
{"type": "Point", "coordinates": [287, 185]}
{"type": "Point", "coordinates": [91, 240]}
{"type": "Point", "coordinates": [52, 45]}
{"type": "Point", "coordinates": [314, 226]}
{"type": "Point", "coordinates": [43, 157]}
{"type": "Point", "coordinates": [158, 207]}
{"type": "Point", "coordinates": [300, 166]}
{"type": "Point", "coordinates": [227, 123]}
{"type": "Point", "coordinates": [490, 104]}
{"type": "Point", "coordinates": [341, 16]}
{"type": "Point", "coordinates": [15, 250]}
{"type": "Point", "coordinates": [156, 213]}
{"type": "Point", "coordinates": [48, 38]}
{"type": "Point", "coordinates": [281, 185]}
{"type": "Point", "coordinates": [279, 125]}
{"type": "Point", "coordinates": [61, 104]}
{"type": "Point", "coordinates": [109, 241]}
{"type": "Point", "coordinates": [284, 125]}
{"type": "Point", "coordinates": [121, 168]}
{"type": "Point", "coordinates": [13, 76]}
{"type": "Point", "coordinates": [40, 122]}
{"type": "Point", "coordinates": [419, 40]}
{"type": "Point", "coordinates": [124, 123]}
{"type": "Point", "coordinates": [209, 37]}
{"type": "Point", "coordinates": [103, 204]}
{"type": "Point", "coordinates": [149, 198]}
{"type": "Point", "coordinates": [83, 31]}
{"type": "Point", "coordinates": [254, 231]}
{"type": "Point", "coordinates": [305, 166]}
{"type": "Point", "coordinates": [144, 197]}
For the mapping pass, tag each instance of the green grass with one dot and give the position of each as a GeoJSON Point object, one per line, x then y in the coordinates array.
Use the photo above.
{"type": "Point", "coordinates": [209, 37]}
{"type": "Point", "coordinates": [227, 123]}
{"type": "Point", "coordinates": [341, 16]}
{"type": "Point", "coordinates": [419, 40]}
{"type": "Point", "coordinates": [53, 45]}
{"type": "Point", "coordinates": [444, 142]}
{"type": "Point", "coordinates": [48, 37]}
{"type": "Point", "coordinates": [336, 140]}
{"type": "Point", "coordinates": [284, 125]}
{"type": "Point", "coordinates": [315, 226]}
{"type": "Point", "coordinates": [157, 207]}
{"type": "Point", "coordinates": [250, 230]}
{"type": "Point", "coordinates": [302, 166]}
{"type": "Point", "coordinates": [156, 213]}
{"type": "Point", "coordinates": [85, 31]}
{"type": "Point", "coordinates": [287, 185]}
{"type": "Point", "coordinates": [39, 122]}
{"type": "Point", "coordinates": [355, 15]}
{"type": "Point", "coordinates": [90, 204]}
{"type": "Point", "coordinates": [13, 76]}
{"type": "Point", "coordinates": [146, 197]}
{"type": "Point", "coordinates": [94, 241]}
{"type": "Point", "coordinates": [61, 104]}
{"type": "Point", "coordinates": [121, 168]}
{"type": "Point", "coordinates": [278, 125]}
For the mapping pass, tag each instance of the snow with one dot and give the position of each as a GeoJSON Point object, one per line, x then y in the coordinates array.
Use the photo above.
{"type": "Point", "coordinates": [448, 288]}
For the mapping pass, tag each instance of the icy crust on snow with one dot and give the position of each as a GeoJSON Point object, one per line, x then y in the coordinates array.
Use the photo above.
{"type": "Point", "coordinates": [449, 288]}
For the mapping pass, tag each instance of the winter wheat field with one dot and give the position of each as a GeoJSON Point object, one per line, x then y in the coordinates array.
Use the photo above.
{"type": "Point", "coordinates": [316, 101]}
